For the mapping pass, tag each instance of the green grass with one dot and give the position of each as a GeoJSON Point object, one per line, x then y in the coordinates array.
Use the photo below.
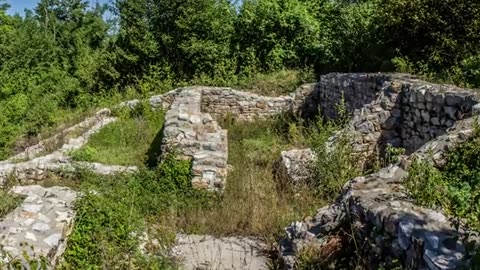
{"type": "Point", "coordinates": [253, 204]}
{"type": "Point", "coordinates": [8, 202]}
{"type": "Point", "coordinates": [126, 141]}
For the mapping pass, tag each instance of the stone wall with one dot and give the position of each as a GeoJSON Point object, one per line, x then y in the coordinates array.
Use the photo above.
{"type": "Point", "coordinates": [26, 168]}
{"type": "Point", "coordinates": [429, 110]}
{"type": "Point", "coordinates": [51, 155]}
{"type": "Point", "coordinates": [242, 105]}
{"type": "Point", "coordinates": [385, 223]}
{"type": "Point", "coordinates": [387, 109]}
{"type": "Point", "coordinates": [163, 101]}
{"type": "Point", "coordinates": [378, 210]}
{"type": "Point", "coordinates": [394, 109]}
{"type": "Point", "coordinates": [426, 119]}
{"type": "Point", "coordinates": [197, 136]}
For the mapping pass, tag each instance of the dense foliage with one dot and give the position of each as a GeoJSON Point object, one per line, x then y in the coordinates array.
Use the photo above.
{"type": "Point", "coordinates": [63, 57]}
{"type": "Point", "coordinates": [455, 187]}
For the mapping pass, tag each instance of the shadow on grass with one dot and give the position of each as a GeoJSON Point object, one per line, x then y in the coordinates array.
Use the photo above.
{"type": "Point", "coordinates": [155, 150]}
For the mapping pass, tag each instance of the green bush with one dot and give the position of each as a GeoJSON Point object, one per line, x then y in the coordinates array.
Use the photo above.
{"type": "Point", "coordinates": [438, 39]}
{"type": "Point", "coordinates": [455, 187]}
{"type": "Point", "coordinates": [114, 212]}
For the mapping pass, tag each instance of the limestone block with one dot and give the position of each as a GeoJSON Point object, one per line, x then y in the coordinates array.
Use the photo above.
{"type": "Point", "coordinates": [295, 166]}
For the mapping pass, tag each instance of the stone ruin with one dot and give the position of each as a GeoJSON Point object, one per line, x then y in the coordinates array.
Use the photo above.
{"type": "Point", "coordinates": [387, 109]}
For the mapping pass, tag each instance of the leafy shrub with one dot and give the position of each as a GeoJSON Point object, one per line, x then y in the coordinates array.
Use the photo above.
{"type": "Point", "coordinates": [438, 39]}
{"type": "Point", "coordinates": [455, 187]}
{"type": "Point", "coordinates": [114, 212]}
{"type": "Point", "coordinates": [426, 184]}
{"type": "Point", "coordinates": [335, 165]}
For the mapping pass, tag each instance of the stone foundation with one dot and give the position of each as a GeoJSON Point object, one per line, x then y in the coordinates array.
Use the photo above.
{"type": "Point", "coordinates": [242, 106]}
{"type": "Point", "coordinates": [387, 109]}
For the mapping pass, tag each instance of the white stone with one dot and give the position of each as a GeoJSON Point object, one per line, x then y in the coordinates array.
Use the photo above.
{"type": "Point", "coordinates": [53, 239]}
{"type": "Point", "coordinates": [62, 216]}
{"type": "Point", "coordinates": [33, 208]}
{"type": "Point", "coordinates": [30, 236]}
{"type": "Point", "coordinates": [40, 227]}
{"type": "Point", "coordinates": [33, 198]}
{"type": "Point", "coordinates": [27, 222]}
{"type": "Point", "coordinates": [44, 218]}
{"type": "Point", "coordinates": [15, 230]}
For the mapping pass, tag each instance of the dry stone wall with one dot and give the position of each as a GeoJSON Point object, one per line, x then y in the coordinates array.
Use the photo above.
{"type": "Point", "coordinates": [163, 101]}
{"type": "Point", "coordinates": [37, 169]}
{"type": "Point", "coordinates": [387, 109]}
{"type": "Point", "coordinates": [377, 209]}
{"type": "Point", "coordinates": [34, 164]}
{"type": "Point", "coordinates": [384, 219]}
{"type": "Point", "coordinates": [242, 105]}
{"type": "Point", "coordinates": [197, 136]}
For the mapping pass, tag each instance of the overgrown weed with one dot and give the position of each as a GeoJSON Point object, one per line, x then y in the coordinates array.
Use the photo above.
{"type": "Point", "coordinates": [8, 202]}
{"type": "Point", "coordinates": [251, 204]}
{"type": "Point", "coordinates": [453, 187]}
{"type": "Point", "coordinates": [115, 211]}
{"type": "Point", "coordinates": [162, 201]}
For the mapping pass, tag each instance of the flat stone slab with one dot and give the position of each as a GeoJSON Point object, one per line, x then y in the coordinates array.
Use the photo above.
{"type": "Point", "coordinates": [207, 252]}
{"type": "Point", "coordinates": [40, 225]}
